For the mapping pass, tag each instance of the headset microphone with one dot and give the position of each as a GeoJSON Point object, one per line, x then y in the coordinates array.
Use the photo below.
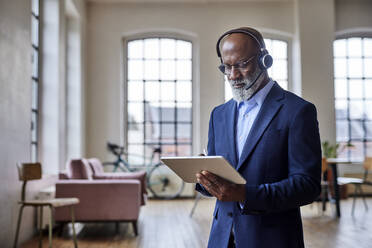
{"type": "Point", "coordinates": [251, 85]}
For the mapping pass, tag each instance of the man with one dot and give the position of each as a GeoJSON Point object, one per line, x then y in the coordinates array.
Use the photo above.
{"type": "Point", "coordinates": [271, 137]}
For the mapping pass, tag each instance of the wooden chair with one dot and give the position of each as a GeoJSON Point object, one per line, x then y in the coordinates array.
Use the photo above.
{"type": "Point", "coordinates": [358, 182]}
{"type": "Point", "coordinates": [32, 171]}
{"type": "Point", "coordinates": [325, 193]}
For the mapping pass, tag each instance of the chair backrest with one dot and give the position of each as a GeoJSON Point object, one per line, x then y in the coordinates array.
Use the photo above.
{"type": "Point", "coordinates": [324, 165]}
{"type": "Point", "coordinates": [367, 163]}
{"type": "Point", "coordinates": [27, 172]}
{"type": "Point", "coordinates": [367, 166]}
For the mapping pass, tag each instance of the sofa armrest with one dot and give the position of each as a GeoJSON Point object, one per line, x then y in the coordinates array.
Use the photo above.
{"type": "Point", "coordinates": [100, 200]}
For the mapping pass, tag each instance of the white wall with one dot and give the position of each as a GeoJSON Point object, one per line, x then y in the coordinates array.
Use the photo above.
{"type": "Point", "coordinates": [15, 116]}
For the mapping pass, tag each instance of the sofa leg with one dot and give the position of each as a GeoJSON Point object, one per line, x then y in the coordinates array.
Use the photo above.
{"type": "Point", "coordinates": [134, 223]}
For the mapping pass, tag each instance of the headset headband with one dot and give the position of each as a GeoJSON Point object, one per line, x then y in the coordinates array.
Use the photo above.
{"type": "Point", "coordinates": [242, 31]}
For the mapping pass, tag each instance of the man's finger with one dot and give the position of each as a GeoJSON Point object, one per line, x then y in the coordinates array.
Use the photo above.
{"type": "Point", "coordinates": [218, 181]}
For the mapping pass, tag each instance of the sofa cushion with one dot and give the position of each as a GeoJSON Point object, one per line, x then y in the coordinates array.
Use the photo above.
{"type": "Point", "coordinates": [79, 169]}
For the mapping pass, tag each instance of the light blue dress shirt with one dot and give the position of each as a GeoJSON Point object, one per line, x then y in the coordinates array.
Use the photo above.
{"type": "Point", "coordinates": [247, 112]}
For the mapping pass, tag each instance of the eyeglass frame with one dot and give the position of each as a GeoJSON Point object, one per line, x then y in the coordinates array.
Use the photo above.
{"type": "Point", "coordinates": [241, 66]}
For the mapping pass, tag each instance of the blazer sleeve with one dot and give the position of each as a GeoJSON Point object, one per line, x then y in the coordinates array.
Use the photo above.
{"type": "Point", "coordinates": [211, 152]}
{"type": "Point", "coordinates": [304, 168]}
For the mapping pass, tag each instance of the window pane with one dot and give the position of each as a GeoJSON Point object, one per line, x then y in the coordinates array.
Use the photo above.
{"type": "Point", "coordinates": [167, 48]}
{"type": "Point", "coordinates": [134, 154]}
{"type": "Point", "coordinates": [167, 70]}
{"type": "Point", "coordinates": [184, 112]}
{"type": "Point", "coordinates": [168, 150]}
{"type": "Point", "coordinates": [369, 129]}
{"type": "Point", "coordinates": [279, 70]}
{"type": "Point", "coordinates": [184, 70]}
{"type": "Point", "coordinates": [152, 48]}
{"type": "Point", "coordinates": [279, 49]}
{"type": "Point", "coordinates": [167, 91]}
{"type": "Point", "coordinates": [168, 111]}
{"type": "Point", "coordinates": [368, 89]}
{"type": "Point", "coordinates": [368, 108]}
{"type": "Point", "coordinates": [135, 112]}
{"type": "Point", "coordinates": [35, 63]}
{"type": "Point", "coordinates": [184, 91]}
{"type": "Point", "coordinates": [228, 93]}
{"type": "Point", "coordinates": [339, 48]}
{"type": "Point", "coordinates": [33, 152]}
{"type": "Point", "coordinates": [340, 88]}
{"type": "Point", "coordinates": [152, 91]}
{"type": "Point", "coordinates": [35, 31]}
{"type": "Point", "coordinates": [340, 68]}
{"type": "Point", "coordinates": [35, 90]}
{"type": "Point", "coordinates": [342, 131]}
{"type": "Point", "coordinates": [358, 150]}
{"type": "Point", "coordinates": [34, 127]}
{"type": "Point", "coordinates": [168, 132]}
{"type": "Point", "coordinates": [355, 67]}
{"type": "Point", "coordinates": [184, 49]}
{"type": "Point", "coordinates": [354, 47]}
{"type": "Point", "coordinates": [35, 7]}
{"type": "Point", "coordinates": [135, 133]}
{"type": "Point", "coordinates": [356, 109]}
{"type": "Point", "coordinates": [184, 132]}
{"type": "Point", "coordinates": [135, 69]}
{"type": "Point", "coordinates": [151, 69]}
{"type": "Point", "coordinates": [356, 89]}
{"type": "Point", "coordinates": [135, 91]}
{"type": "Point", "coordinates": [367, 42]}
{"type": "Point", "coordinates": [135, 49]}
{"type": "Point", "coordinates": [357, 131]}
{"type": "Point", "coordinates": [183, 150]}
{"type": "Point", "coordinates": [152, 132]}
{"type": "Point", "coordinates": [341, 109]}
{"type": "Point", "coordinates": [152, 112]}
{"type": "Point", "coordinates": [368, 68]}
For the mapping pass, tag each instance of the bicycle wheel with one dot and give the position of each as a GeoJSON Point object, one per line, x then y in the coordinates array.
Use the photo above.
{"type": "Point", "coordinates": [163, 183]}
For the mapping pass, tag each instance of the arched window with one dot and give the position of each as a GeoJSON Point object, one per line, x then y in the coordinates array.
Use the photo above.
{"type": "Point", "coordinates": [159, 97]}
{"type": "Point", "coordinates": [353, 94]}
{"type": "Point", "coordinates": [279, 71]}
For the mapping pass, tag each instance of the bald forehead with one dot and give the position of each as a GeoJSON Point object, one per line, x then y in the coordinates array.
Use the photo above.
{"type": "Point", "coordinates": [240, 42]}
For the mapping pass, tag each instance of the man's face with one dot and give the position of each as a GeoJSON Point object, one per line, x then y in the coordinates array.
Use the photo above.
{"type": "Point", "coordinates": [236, 49]}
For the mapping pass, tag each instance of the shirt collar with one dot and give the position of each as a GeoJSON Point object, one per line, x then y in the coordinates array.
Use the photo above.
{"type": "Point", "coordinates": [259, 97]}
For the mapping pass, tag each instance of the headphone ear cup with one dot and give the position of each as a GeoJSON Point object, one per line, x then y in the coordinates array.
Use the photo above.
{"type": "Point", "coordinates": [265, 61]}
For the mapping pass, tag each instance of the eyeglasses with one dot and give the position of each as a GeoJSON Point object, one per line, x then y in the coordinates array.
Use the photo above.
{"type": "Point", "coordinates": [241, 66]}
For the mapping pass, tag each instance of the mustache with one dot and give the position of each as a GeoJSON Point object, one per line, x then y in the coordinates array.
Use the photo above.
{"type": "Point", "coordinates": [237, 82]}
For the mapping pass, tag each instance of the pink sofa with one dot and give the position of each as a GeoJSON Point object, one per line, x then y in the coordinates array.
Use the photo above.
{"type": "Point", "coordinates": [104, 199]}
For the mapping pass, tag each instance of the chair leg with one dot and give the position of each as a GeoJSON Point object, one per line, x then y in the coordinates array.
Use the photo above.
{"type": "Point", "coordinates": [50, 226]}
{"type": "Point", "coordinates": [363, 197]}
{"type": "Point", "coordinates": [18, 226]}
{"type": "Point", "coordinates": [73, 226]}
{"type": "Point", "coordinates": [41, 227]}
{"type": "Point", "coordinates": [354, 199]}
{"type": "Point", "coordinates": [134, 223]}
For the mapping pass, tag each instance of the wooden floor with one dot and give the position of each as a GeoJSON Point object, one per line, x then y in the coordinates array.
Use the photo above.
{"type": "Point", "coordinates": [167, 224]}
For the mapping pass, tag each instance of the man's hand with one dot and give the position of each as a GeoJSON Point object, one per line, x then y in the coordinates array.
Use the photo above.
{"type": "Point", "coordinates": [222, 189]}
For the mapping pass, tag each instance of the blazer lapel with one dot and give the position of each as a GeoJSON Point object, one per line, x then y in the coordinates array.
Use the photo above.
{"type": "Point", "coordinates": [267, 112]}
{"type": "Point", "coordinates": [230, 129]}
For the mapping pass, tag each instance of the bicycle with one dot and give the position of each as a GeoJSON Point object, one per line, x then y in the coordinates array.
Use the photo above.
{"type": "Point", "coordinates": [162, 182]}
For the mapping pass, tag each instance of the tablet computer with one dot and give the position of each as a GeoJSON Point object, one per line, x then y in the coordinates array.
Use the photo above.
{"type": "Point", "coordinates": [187, 167]}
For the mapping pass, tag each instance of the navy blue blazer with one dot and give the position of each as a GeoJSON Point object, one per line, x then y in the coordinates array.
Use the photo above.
{"type": "Point", "coordinates": [281, 161]}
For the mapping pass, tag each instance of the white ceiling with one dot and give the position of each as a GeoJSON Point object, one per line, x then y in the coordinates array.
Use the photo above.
{"type": "Point", "coordinates": [184, 1]}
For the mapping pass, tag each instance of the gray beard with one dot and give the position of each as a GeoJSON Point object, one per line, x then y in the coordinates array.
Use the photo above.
{"type": "Point", "coordinates": [241, 94]}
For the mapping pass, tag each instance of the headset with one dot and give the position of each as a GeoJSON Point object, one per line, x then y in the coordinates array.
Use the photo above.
{"type": "Point", "coordinates": [265, 61]}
